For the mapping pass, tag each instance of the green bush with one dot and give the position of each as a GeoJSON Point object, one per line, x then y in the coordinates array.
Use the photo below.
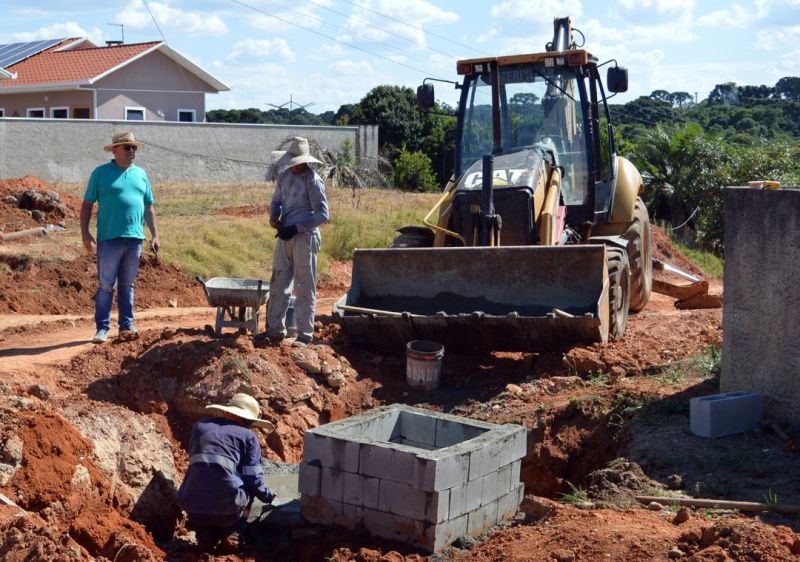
{"type": "Point", "coordinates": [413, 172]}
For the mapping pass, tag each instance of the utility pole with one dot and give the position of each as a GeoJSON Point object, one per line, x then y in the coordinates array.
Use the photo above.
{"type": "Point", "coordinates": [291, 105]}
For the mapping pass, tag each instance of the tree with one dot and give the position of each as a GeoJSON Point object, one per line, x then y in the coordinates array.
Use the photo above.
{"type": "Point", "coordinates": [788, 87]}
{"type": "Point", "coordinates": [343, 114]}
{"type": "Point", "coordinates": [661, 95]}
{"type": "Point", "coordinates": [394, 110]}
{"type": "Point", "coordinates": [682, 99]}
{"type": "Point", "coordinates": [724, 93]}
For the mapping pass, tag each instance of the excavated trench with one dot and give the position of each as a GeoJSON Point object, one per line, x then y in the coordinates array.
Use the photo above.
{"type": "Point", "coordinates": [102, 463]}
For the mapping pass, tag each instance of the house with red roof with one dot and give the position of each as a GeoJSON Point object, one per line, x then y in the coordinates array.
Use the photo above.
{"type": "Point", "coordinates": [76, 79]}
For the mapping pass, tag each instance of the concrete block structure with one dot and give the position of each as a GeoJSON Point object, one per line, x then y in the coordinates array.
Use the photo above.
{"type": "Point", "coordinates": [412, 475]}
{"type": "Point", "coordinates": [726, 414]}
{"type": "Point", "coordinates": [761, 343]}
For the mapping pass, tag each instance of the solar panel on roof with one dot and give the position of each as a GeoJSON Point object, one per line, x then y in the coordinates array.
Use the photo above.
{"type": "Point", "coordinates": [15, 52]}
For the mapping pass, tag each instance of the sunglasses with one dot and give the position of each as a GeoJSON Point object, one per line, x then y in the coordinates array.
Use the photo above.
{"type": "Point", "coordinates": [132, 147]}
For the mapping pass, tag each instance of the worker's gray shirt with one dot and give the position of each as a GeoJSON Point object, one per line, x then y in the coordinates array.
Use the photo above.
{"type": "Point", "coordinates": [299, 200]}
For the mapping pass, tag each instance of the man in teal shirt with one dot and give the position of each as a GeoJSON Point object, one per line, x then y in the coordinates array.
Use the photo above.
{"type": "Point", "coordinates": [124, 200]}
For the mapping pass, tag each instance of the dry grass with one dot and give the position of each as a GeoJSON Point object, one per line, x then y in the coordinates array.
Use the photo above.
{"type": "Point", "coordinates": [202, 241]}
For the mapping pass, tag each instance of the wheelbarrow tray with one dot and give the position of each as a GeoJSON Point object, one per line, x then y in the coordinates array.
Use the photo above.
{"type": "Point", "coordinates": [230, 291]}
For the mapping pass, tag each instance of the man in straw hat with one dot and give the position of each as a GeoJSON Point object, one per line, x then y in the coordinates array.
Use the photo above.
{"type": "Point", "coordinates": [298, 208]}
{"type": "Point", "coordinates": [225, 472]}
{"type": "Point", "coordinates": [124, 200]}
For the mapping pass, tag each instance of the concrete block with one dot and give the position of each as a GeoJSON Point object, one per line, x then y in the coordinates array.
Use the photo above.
{"type": "Point", "coordinates": [416, 430]}
{"type": "Point", "coordinates": [726, 414]}
{"type": "Point", "coordinates": [360, 490]}
{"type": "Point", "coordinates": [516, 467]}
{"type": "Point", "coordinates": [490, 488]}
{"type": "Point", "coordinates": [438, 507]}
{"type": "Point", "coordinates": [387, 463]}
{"type": "Point", "coordinates": [508, 504]}
{"type": "Point", "coordinates": [407, 501]}
{"type": "Point", "coordinates": [486, 459]}
{"type": "Point", "coordinates": [332, 484]}
{"type": "Point", "coordinates": [318, 509]}
{"type": "Point", "coordinates": [504, 479]}
{"type": "Point", "coordinates": [516, 444]}
{"type": "Point", "coordinates": [310, 479]}
{"type": "Point", "coordinates": [352, 516]}
{"type": "Point", "coordinates": [450, 432]}
{"type": "Point", "coordinates": [392, 526]}
{"type": "Point", "coordinates": [482, 518]}
{"type": "Point", "coordinates": [332, 452]}
{"type": "Point", "coordinates": [451, 471]}
{"type": "Point", "coordinates": [448, 531]}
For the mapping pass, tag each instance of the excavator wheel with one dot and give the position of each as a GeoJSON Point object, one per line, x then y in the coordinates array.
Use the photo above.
{"type": "Point", "coordinates": [640, 256]}
{"type": "Point", "coordinates": [619, 291]}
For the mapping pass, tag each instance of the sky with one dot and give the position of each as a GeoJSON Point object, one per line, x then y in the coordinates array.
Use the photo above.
{"type": "Point", "coordinates": [321, 54]}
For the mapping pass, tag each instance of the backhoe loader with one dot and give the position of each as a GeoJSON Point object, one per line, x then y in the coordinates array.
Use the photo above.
{"type": "Point", "coordinates": [540, 240]}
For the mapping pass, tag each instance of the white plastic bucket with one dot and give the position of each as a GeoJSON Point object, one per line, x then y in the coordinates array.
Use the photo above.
{"type": "Point", "coordinates": [424, 364]}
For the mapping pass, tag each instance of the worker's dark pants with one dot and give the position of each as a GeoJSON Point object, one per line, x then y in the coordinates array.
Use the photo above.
{"type": "Point", "coordinates": [210, 529]}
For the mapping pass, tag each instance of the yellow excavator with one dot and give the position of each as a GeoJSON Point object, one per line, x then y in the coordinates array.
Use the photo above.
{"type": "Point", "coordinates": [540, 240]}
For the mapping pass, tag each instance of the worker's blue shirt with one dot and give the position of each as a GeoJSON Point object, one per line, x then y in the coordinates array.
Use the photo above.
{"type": "Point", "coordinates": [300, 200]}
{"type": "Point", "coordinates": [225, 469]}
{"type": "Point", "coordinates": [121, 197]}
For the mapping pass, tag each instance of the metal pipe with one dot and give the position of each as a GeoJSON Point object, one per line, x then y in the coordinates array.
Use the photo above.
{"type": "Point", "coordinates": [487, 197]}
{"type": "Point", "coordinates": [348, 308]}
{"type": "Point", "coordinates": [721, 504]}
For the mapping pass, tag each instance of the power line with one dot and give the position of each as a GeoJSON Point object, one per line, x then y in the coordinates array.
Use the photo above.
{"type": "Point", "coordinates": [352, 46]}
{"type": "Point", "coordinates": [414, 27]}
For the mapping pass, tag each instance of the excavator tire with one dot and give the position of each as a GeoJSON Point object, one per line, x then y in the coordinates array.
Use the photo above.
{"type": "Point", "coordinates": [640, 257]}
{"type": "Point", "coordinates": [619, 294]}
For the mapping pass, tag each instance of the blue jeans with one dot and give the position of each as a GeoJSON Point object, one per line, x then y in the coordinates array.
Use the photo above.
{"type": "Point", "coordinates": [117, 261]}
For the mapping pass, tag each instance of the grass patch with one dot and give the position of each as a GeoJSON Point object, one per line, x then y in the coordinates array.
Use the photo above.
{"type": "Point", "coordinates": [708, 262]}
{"type": "Point", "coordinates": [576, 495]}
{"type": "Point", "coordinates": [200, 240]}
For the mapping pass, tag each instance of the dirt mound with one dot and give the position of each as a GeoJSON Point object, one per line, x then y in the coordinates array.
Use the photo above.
{"type": "Point", "coordinates": [29, 202]}
{"type": "Point", "coordinates": [738, 539]}
{"type": "Point", "coordinates": [664, 250]}
{"type": "Point", "coordinates": [617, 485]}
{"type": "Point", "coordinates": [63, 287]}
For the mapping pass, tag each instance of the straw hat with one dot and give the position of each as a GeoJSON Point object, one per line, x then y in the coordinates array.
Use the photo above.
{"type": "Point", "coordinates": [298, 153]}
{"type": "Point", "coordinates": [122, 138]}
{"type": "Point", "coordinates": [245, 407]}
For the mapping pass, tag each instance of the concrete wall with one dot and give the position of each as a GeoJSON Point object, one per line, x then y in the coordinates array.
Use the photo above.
{"type": "Point", "coordinates": [68, 150]}
{"type": "Point", "coordinates": [761, 324]}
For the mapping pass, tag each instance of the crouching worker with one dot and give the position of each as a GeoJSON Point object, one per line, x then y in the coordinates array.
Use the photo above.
{"type": "Point", "coordinates": [225, 473]}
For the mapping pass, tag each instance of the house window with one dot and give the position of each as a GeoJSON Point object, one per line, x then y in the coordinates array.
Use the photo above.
{"type": "Point", "coordinates": [59, 112]}
{"type": "Point", "coordinates": [35, 112]}
{"type": "Point", "coordinates": [134, 114]}
{"type": "Point", "coordinates": [186, 115]}
{"type": "Point", "coordinates": [81, 113]}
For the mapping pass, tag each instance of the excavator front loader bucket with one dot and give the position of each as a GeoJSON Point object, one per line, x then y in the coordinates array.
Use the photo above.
{"type": "Point", "coordinates": [511, 298]}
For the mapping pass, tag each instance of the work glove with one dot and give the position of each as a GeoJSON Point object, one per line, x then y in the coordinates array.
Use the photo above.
{"type": "Point", "coordinates": [286, 232]}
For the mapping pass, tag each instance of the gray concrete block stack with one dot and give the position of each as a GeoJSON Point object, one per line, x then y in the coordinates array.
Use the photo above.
{"type": "Point", "coordinates": [726, 414]}
{"type": "Point", "coordinates": [412, 475]}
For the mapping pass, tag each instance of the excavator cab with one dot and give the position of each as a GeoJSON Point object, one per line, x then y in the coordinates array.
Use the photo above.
{"type": "Point", "coordinates": [530, 246]}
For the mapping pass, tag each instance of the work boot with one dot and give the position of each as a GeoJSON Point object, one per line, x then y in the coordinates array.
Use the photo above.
{"type": "Point", "coordinates": [301, 341]}
{"type": "Point", "coordinates": [275, 337]}
{"type": "Point", "coordinates": [101, 336]}
{"type": "Point", "coordinates": [231, 544]}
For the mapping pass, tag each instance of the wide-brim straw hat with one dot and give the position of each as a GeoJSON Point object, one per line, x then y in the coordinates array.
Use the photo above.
{"type": "Point", "coordinates": [245, 407]}
{"type": "Point", "coordinates": [122, 138]}
{"type": "Point", "coordinates": [297, 153]}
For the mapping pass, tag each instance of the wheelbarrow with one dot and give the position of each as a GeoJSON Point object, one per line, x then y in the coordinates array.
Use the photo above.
{"type": "Point", "coordinates": [238, 301]}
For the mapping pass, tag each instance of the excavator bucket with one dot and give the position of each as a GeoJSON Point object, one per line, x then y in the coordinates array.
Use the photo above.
{"type": "Point", "coordinates": [509, 298]}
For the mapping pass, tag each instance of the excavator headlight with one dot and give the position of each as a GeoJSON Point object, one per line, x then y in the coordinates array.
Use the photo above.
{"type": "Point", "coordinates": [550, 62]}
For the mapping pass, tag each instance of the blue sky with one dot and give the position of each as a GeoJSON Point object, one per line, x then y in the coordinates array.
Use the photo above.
{"type": "Point", "coordinates": [326, 53]}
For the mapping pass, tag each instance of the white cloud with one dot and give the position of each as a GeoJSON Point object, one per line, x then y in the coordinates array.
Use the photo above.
{"type": "Point", "coordinates": [773, 39]}
{"type": "Point", "coordinates": [262, 49]}
{"type": "Point", "coordinates": [537, 11]}
{"type": "Point", "coordinates": [58, 30]}
{"type": "Point", "coordinates": [350, 68]}
{"type": "Point", "coordinates": [662, 6]}
{"type": "Point", "coordinates": [206, 24]}
{"type": "Point", "coordinates": [417, 11]}
{"type": "Point", "coordinates": [734, 17]}
{"type": "Point", "coordinates": [283, 21]}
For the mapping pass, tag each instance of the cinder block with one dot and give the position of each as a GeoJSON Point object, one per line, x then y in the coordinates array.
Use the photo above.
{"type": "Point", "coordinates": [726, 414]}
{"type": "Point", "coordinates": [508, 504]}
{"type": "Point", "coordinates": [332, 484]}
{"type": "Point", "coordinates": [352, 515]}
{"type": "Point", "coordinates": [451, 471]}
{"type": "Point", "coordinates": [486, 459]}
{"type": "Point", "coordinates": [340, 454]}
{"type": "Point", "coordinates": [448, 531]}
{"type": "Point", "coordinates": [393, 526]}
{"type": "Point", "coordinates": [404, 500]}
{"type": "Point", "coordinates": [417, 430]}
{"type": "Point", "coordinates": [450, 432]}
{"type": "Point", "coordinates": [387, 463]}
{"type": "Point", "coordinates": [360, 490]}
{"type": "Point", "coordinates": [490, 488]}
{"type": "Point", "coordinates": [438, 506]}
{"type": "Point", "coordinates": [318, 509]}
{"type": "Point", "coordinates": [504, 479]}
{"type": "Point", "coordinates": [482, 518]}
{"type": "Point", "coordinates": [516, 444]}
{"type": "Point", "coordinates": [309, 480]}
{"type": "Point", "coordinates": [516, 466]}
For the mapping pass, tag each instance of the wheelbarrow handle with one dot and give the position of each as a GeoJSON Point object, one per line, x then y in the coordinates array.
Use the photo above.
{"type": "Point", "coordinates": [203, 283]}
